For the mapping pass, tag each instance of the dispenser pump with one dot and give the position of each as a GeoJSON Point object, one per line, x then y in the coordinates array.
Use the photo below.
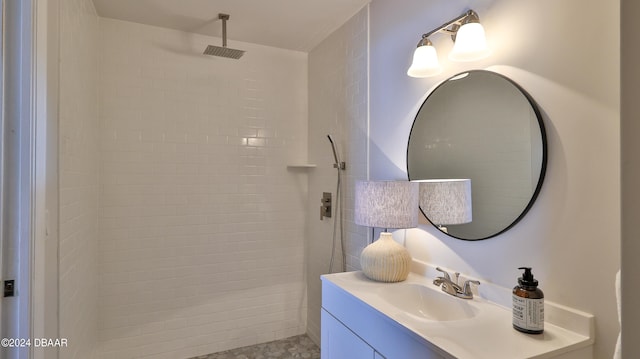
{"type": "Point", "coordinates": [527, 279]}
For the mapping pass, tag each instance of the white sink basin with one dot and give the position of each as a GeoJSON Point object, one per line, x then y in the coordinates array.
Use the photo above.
{"type": "Point", "coordinates": [426, 303]}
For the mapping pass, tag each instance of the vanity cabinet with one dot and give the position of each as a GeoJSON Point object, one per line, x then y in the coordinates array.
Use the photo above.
{"type": "Point", "coordinates": [340, 342]}
{"type": "Point", "coordinates": [353, 330]}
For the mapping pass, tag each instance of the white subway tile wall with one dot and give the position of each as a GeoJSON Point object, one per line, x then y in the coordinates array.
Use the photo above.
{"type": "Point", "coordinates": [201, 224]}
{"type": "Point", "coordinates": [338, 86]}
{"type": "Point", "coordinates": [78, 161]}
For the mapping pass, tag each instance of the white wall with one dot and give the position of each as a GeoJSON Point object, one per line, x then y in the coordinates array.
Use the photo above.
{"type": "Point", "coordinates": [51, 263]}
{"type": "Point", "coordinates": [338, 88]}
{"type": "Point", "coordinates": [78, 168]}
{"type": "Point", "coordinates": [201, 224]}
{"type": "Point", "coordinates": [630, 130]}
{"type": "Point", "coordinates": [571, 236]}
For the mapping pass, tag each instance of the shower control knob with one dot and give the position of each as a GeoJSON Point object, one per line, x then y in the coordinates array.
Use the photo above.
{"type": "Point", "coordinates": [325, 209]}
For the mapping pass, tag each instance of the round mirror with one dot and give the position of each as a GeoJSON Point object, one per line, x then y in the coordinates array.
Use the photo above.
{"type": "Point", "coordinates": [478, 148]}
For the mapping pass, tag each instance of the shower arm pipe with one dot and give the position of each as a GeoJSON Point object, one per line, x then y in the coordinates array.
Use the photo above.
{"type": "Point", "coordinates": [224, 18]}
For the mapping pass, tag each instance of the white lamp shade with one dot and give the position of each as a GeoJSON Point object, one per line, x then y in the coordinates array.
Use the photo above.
{"type": "Point", "coordinates": [425, 62]}
{"type": "Point", "coordinates": [470, 44]}
{"type": "Point", "coordinates": [386, 204]}
{"type": "Point", "coordinates": [446, 201]}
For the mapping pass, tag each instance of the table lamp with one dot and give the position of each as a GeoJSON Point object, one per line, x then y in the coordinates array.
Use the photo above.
{"type": "Point", "coordinates": [386, 204]}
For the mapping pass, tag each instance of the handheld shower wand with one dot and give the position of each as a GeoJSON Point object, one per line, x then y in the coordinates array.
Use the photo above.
{"type": "Point", "coordinates": [339, 165]}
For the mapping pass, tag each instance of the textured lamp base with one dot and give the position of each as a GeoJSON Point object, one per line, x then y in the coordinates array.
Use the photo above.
{"type": "Point", "coordinates": [385, 260]}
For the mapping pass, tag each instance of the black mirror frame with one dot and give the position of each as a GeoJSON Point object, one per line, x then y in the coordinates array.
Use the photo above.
{"type": "Point", "coordinates": [543, 165]}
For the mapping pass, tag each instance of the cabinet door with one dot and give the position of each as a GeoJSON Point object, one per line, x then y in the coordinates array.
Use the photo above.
{"type": "Point", "coordinates": [338, 342]}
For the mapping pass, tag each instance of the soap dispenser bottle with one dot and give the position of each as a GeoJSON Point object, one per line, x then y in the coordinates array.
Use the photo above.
{"type": "Point", "coordinates": [528, 304]}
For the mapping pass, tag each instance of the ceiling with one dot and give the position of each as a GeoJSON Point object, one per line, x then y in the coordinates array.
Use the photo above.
{"type": "Point", "coordinates": [290, 24]}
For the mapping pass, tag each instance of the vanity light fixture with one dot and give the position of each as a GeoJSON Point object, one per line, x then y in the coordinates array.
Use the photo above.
{"type": "Point", "coordinates": [469, 40]}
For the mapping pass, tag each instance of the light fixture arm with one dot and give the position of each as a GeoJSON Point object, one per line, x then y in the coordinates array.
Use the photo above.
{"type": "Point", "coordinates": [467, 17]}
{"type": "Point", "coordinates": [469, 45]}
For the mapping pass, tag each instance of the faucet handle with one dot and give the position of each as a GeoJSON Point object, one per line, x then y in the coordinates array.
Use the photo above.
{"type": "Point", "coordinates": [466, 288]}
{"type": "Point", "coordinates": [446, 275]}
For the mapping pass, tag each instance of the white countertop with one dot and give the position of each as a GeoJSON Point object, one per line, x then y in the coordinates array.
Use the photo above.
{"type": "Point", "coordinates": [489, 334]}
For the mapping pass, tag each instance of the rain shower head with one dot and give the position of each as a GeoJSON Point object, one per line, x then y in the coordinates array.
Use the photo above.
{"type": "Point", "coordinates": [223, 51]}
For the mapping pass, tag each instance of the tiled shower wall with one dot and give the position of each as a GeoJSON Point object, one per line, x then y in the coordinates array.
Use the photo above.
{"type": "Point", "coordinates": [338, 89]}
{"type": "Point", "coordinates": [78, 161]}
{"type": "Point", "coordinates": [201, 224]}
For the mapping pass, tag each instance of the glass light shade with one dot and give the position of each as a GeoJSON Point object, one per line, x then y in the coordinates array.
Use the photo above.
{"type": "Point", "coordinates": [470, 44]}
{"type": "Point", "coordinates": [446, 201]}
{"type": "Point", "coordinates": [425, 62]}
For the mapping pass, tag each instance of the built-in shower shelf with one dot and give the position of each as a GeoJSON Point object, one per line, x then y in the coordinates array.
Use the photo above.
{"type": "Point", "coordinates": [301, 165]}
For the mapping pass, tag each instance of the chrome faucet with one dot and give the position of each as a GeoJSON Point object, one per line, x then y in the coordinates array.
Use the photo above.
{"type": "Point", "coordinates": [453, 288]}
{"type": "Point", "coordinates": [447, 285]}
